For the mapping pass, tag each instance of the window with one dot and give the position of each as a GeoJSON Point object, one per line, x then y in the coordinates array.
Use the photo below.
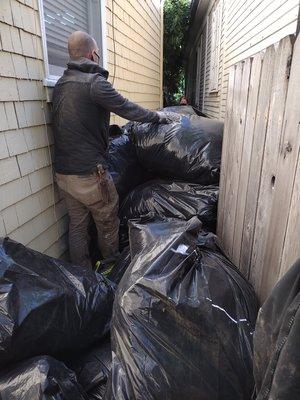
{"type": "Point", "coordinates": [216, 21]}
{"type": "Point", "coordinates": [199, 68]}
{"type": "Point", "coordinates": [59, 19]}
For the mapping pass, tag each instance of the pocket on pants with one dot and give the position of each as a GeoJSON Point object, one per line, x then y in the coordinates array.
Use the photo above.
{"type": "Point", "coordinates": [112, 187]}
{"type": "Point", "coordinates": [107, 188]}
{"type": "Point", "coordinates": [85, 189]}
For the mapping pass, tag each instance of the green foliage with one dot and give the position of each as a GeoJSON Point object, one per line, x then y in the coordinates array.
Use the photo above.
{"type": "Point", "coordinates": [176, 19]}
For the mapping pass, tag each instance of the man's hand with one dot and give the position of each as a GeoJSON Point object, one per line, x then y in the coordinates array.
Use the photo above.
{"type": "Point", "coordinates": [168, 117]}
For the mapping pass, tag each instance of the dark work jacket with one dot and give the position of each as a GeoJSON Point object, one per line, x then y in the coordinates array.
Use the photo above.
{"type": "Point", "coordinates": [82, 102]}
{"type": "Point", "coordinates": [277, 341]}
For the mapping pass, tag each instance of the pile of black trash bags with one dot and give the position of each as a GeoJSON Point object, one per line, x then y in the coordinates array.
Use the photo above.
{"type": "Point", "coordinates": [173, 320]}
{"type": "Point", "coordinates": [54, 326]}
{"type": "Point", "coordinates": [169, 170]}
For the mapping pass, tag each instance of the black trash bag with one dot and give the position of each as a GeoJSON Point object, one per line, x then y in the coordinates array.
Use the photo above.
{"type": "Point", "coordinates": [170, 199]}
{"type": "Point", "coordinates": [184, 110]}
{"type": "Point", "coordinates": [40, 378]}
{"type": "Point", "coordinates": [123, 165]}
{"type": "Point", "coordinates": [188, 150]}
{"type": "Point", "coordinates": [115, 131]}
{"type": "Point", "coordinates": [277, 341]}
{"type": "Point", "coordinates": [92, 369]}
{"type": "Point", "coordinates": [120, 267]}
{"type": "Point", "coordinates": [48, 306]}
{"type": "Point", "coordinates": [182, 322]}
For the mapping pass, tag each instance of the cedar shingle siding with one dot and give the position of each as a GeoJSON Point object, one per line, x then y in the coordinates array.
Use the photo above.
{"type": "Point", "coordinates": [27, 197]}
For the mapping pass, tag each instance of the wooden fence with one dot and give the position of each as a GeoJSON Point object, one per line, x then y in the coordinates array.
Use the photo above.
{"type": "Point", "coordinates": [259, 206]}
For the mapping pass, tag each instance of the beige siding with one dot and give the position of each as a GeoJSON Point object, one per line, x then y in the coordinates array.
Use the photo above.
{"type": "Point", "coordinates": [252, 26]}
{"type": "Point", "coordinates": [134, 33]}
{"type": "Point", "coordinates": [248, 27]}
{"type": "Point", "coordinates": [212, 99]}
{"type": "Point", "coordinates": [27, 196]}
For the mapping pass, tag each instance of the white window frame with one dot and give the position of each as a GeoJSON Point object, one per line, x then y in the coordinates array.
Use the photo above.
{"type": "Point", "coordinates": [50, 80]}
{"type": "Point", "coordinates": [198, 74]}
{"type": "Point", "coordinates": [216, 23]}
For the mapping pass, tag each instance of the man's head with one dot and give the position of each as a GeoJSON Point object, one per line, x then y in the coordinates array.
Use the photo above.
{"type": "Point", "coordinates": [81, 44]}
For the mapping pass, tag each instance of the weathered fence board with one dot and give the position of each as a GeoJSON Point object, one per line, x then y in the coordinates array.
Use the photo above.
{"type": "Point", "coordinates": [270, 159]}
{"type": "Point", "coordinates": [259, 134]}
{"type": "Point", "coordinates": [225, 147]}
{"type": "Point", "coordinates": [259, 206]}
{"type": "Point", "coordinates": [246, 158]}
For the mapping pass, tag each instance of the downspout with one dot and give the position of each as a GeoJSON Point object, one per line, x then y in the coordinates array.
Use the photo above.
{"type": "Point", "coordinates": [104, 35]}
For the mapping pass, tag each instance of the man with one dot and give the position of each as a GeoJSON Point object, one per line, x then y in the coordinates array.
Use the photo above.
{"type": "Point", "coordinates": [82, 102]}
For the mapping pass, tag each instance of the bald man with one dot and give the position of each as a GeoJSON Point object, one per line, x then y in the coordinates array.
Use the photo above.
{"type": "Point", "coordinates": [82, 102]}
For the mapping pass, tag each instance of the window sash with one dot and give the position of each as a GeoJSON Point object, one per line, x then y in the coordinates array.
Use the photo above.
{"type": "Point", "coordinates": [89, 18]}
{"type": "Point", "coordinates": [198, 75]}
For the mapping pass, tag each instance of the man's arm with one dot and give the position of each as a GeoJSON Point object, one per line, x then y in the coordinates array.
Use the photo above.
{"type": "Point", "coordinates": [103, 93]}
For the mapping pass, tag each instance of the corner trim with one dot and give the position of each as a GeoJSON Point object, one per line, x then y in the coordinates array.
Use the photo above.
{"type": "Point", "coordinates": [44, 41]}
{"type": "Point", "coordinates": [104, 33]}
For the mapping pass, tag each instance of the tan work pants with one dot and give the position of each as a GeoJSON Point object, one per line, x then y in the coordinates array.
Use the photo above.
{"type": "Point", "coordinates": [94, 195]}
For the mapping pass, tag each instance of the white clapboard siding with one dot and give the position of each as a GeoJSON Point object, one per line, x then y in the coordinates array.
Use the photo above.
{"type": "Point", "coordinates": [248, 27]}
{"type": "Point", "coordinates": [259, 206]}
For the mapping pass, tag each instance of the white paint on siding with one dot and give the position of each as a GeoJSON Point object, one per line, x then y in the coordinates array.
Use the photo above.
{"type": "Point", "coordinates": [248, 26]}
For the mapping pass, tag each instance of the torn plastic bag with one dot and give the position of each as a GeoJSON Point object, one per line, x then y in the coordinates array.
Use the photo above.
{"type": "Point", "coordinates": [183, 320]}
{"type": "Point", "coordinates": [169, 199]}
{"type": "Point", "coordinates": [189, 150]}
{"type": "Point", "coordinates": [92, 368]}
{"type": "Point", "coordinates": [48, 306]}
{"type": "Point", "coordinates": [184, 110]}
{"type": "Point", "coordinates": [277, 341]}
{"type": "Point", "coordinates": [120, 267]}
{"type": "Point", "coordinates": [124, 166]}
{"type": "Point", "coordinates": [40, 378]}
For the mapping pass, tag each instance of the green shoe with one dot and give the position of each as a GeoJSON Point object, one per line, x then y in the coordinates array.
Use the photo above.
{"type": "Point", "coordinates": [104, 267]}
{"type": "Point", "coordinates": [97, 265]}
{"type": "Point", "coordinates": [106, 272]}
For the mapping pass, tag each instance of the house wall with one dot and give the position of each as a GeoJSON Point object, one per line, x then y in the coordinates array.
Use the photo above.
{"type": "Point", "coordinates": [248, 27]}
{"type": "Point", "coordinates": [31, 210]}
{"type": "Point", "coordinates": [134, 43]}
{"type": "Point", "coordinates": [27, 196]}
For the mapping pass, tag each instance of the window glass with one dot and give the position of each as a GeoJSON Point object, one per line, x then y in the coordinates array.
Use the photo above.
{"type": "Point", "coordinates": [61, 18]}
